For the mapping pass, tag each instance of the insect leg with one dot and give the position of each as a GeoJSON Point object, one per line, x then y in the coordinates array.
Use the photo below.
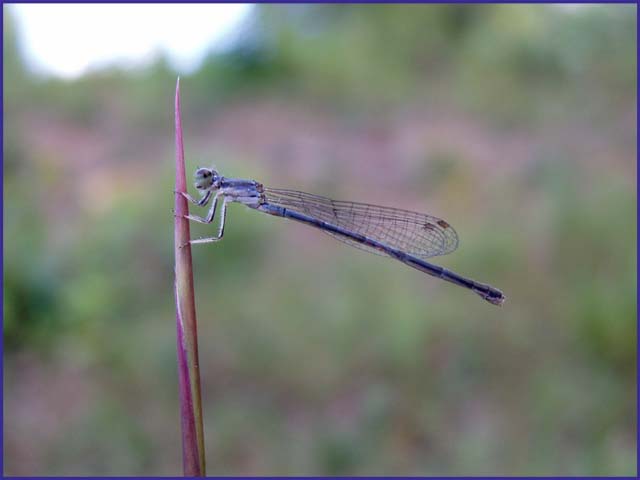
{"type": "Point", "coordinates": [223, 217]}
{"type": "Point", "coordinates": [212, 211]}
{"type": "Point", "coordinates": [200, 202]}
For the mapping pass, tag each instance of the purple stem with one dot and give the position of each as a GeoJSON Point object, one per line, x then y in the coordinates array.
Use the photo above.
{"type": "Point", "coordinates": [187, 334]}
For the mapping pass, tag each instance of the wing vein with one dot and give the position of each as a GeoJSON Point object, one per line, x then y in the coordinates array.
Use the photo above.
{"type": "Point", "coordinates": [418, 234]}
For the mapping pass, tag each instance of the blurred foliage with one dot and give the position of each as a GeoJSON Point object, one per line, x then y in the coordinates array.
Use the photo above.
{"type": "Point", "coordinates": [516, 123]}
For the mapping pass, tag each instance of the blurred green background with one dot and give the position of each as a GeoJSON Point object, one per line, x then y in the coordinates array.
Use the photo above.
{"type": "Point", "coordinates": [517, 124]}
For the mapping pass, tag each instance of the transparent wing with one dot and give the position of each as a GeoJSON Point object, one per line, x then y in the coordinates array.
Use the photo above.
{"type": "Point", "coordinates": [418, 234]}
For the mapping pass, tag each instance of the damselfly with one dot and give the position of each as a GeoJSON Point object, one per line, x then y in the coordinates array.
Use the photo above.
{"type": "Point", "coordinates": [406, 236]}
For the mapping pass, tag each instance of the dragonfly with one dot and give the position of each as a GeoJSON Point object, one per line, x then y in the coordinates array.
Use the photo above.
{"type": "Point", "coordinates": [403, 235]}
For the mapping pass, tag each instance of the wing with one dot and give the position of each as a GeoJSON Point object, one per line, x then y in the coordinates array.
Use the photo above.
{"type": "Point", "coordinates": [420, 235]}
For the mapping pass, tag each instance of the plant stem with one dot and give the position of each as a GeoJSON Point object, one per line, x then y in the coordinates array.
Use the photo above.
{"type": "Point", "coordinates": [187, 335]}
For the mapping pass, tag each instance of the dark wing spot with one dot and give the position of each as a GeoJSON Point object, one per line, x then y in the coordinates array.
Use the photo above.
{"type": "Point", "coordinates": [429, 226]}
{"type": "Point", "coordinates": [443, 224]}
